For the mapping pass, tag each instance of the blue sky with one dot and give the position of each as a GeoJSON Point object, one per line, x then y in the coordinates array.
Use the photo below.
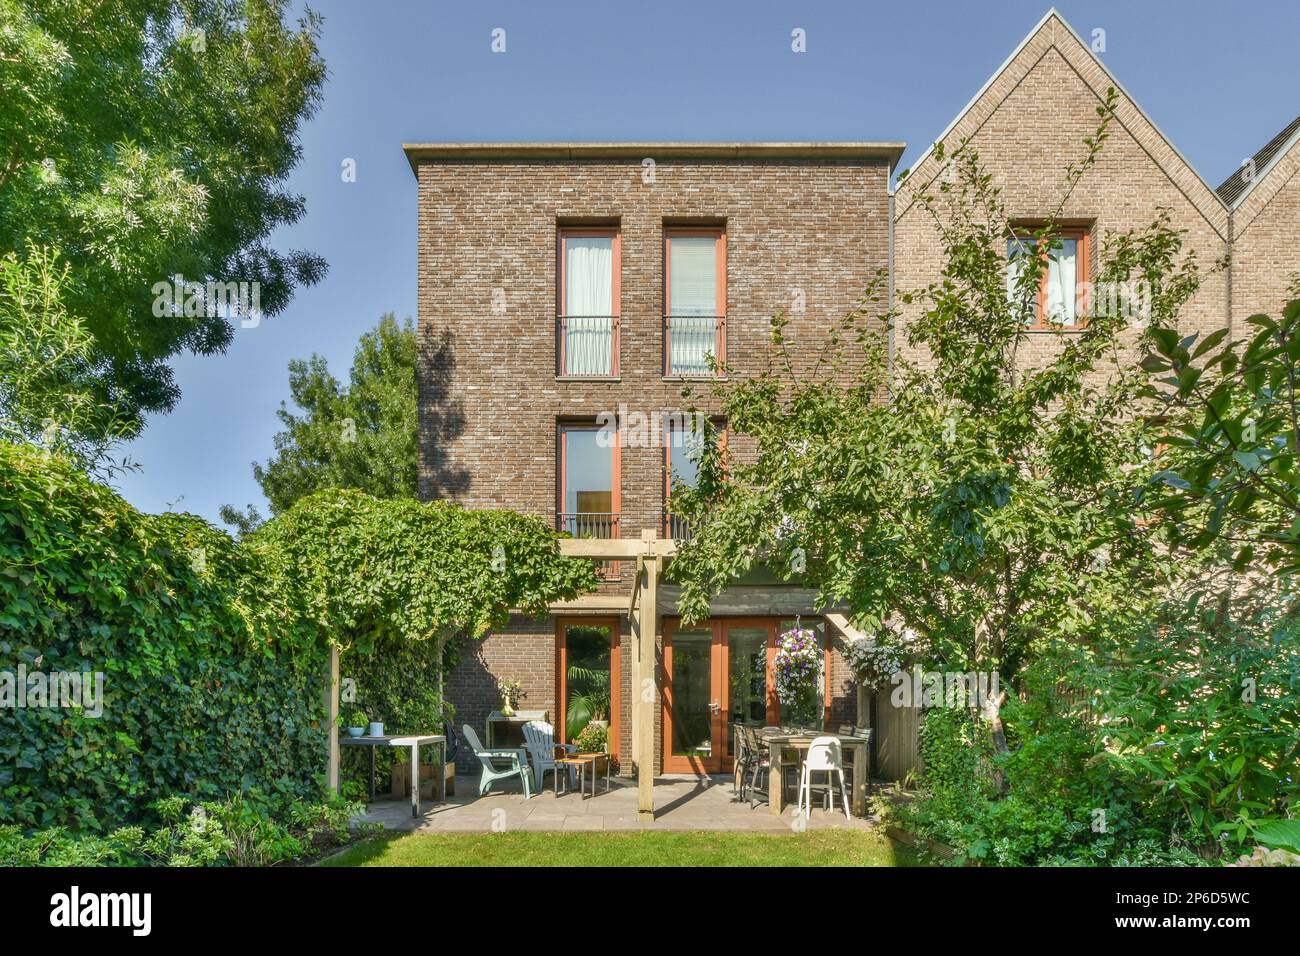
{"type": "Point", "coordinates": [1217, 78]}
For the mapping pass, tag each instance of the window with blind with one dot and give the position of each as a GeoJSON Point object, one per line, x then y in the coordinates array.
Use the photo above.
{"type": "Point", "coordinates": [695, 273]}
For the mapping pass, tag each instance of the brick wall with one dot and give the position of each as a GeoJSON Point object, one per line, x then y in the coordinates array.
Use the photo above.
{"type": "Point", "coordinates": [490, 398]}
{"type": "Point", "coordinates": [489, 395]}
{"type": "Point", "coordinates": [1027, 127]}
{"type": "Point", "coordinates": [1266, 228]}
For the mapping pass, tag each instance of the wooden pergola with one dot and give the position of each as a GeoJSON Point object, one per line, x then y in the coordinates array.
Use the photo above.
{"type": "Point", "coordinates": [650, 552]}
{"type": "Point", "coordinates": [642, 608]}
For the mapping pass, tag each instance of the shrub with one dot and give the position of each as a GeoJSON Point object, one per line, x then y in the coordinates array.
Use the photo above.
{"type": "Point", "coordinates": [246, 830]}
{"type": "Point", "coordinates": [212, 681]}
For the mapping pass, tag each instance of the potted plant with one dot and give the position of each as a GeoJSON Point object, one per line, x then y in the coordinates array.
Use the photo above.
{"type": "Point", "coordinates": [509, 690]}
{"type": "Point", "coordinates": [356, 723]}
{"type": "Point", "coordinates": [594, 739]}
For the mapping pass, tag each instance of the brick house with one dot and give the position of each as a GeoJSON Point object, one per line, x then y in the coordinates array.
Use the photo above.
{"type": "Point", "coordinates": [560, 283]}
{"type": "Point", "coordinates": [563, 286]}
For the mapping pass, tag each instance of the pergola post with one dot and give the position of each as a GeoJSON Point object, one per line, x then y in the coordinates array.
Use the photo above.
{"type": "Point", "coordinates": [643, 700]}
{"type": "Point", "coordinates": [642, 609]}
{"type": "Point", "coordinates": [332, 719]}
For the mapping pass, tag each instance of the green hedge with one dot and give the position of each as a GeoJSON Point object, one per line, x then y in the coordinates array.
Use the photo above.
{"type": "Point", "coordinates": [213, 684]}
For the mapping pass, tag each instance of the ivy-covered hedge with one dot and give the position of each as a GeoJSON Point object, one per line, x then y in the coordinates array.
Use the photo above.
{"type": "Point", "coordinates": [212, 681]}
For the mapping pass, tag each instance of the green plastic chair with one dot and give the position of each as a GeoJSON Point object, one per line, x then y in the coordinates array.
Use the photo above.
{"type": "Point", "coordinates": [516, 761]}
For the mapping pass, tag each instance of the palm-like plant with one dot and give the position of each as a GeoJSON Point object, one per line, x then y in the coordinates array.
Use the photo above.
{"type": "Point", "coordinates": [589, 698]}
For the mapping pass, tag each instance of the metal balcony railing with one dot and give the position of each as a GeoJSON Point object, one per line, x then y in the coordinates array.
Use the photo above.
{"type": "Point", "coordinates": [689, 340]}
{"type": "Point", "coordinates": [676, 527]}
{"type": "Point", "coordinates": [592, 524]}
{"type": "Point", "coordinates": [587, 345]}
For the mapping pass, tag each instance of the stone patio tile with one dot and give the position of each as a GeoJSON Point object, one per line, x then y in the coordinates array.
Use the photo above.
{"type": "Point", "coordinates": [583, 823]}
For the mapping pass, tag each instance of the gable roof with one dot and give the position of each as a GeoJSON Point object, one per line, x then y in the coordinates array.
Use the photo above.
{"type": "Point", "coordinates": [1053, 33]}
{"type": "Point", "coordinates": [1237, 187]}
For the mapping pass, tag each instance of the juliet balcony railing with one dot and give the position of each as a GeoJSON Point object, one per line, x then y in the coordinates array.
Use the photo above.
{"type": "Point", "coordinates": [675, 527]}
{"type": "Point", "coordinates": [592, 524]}
{"type": "Point", "coordinates": [587, 345]}
{"type": "Point", "coordinates": [689, 340]}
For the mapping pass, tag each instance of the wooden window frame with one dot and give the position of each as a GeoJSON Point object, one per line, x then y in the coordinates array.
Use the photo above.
{"type": "Point", "coordinates": [720, 296]}
{"type": "Point", "coordinates": [616, 295]}
{"type": "Point", "coordinates": [615, 676]}
{"type": "Point", "coordinates": [1082, 275]}
{"type": "Point", "coordinates": [610, 570]}
{"type": "Point", "coordinates": [721, 425]}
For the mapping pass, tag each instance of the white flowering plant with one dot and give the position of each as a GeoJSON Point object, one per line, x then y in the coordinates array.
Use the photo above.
{"type": "Point", "coordinates": [874, 660]}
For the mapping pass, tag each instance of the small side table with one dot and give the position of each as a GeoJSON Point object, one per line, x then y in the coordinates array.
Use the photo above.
{"type": "Point", "coordinates": [581, 762]}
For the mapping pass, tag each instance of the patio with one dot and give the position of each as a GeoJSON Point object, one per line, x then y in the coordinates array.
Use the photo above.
{"type": "Point", "coordinates": [684, 802]}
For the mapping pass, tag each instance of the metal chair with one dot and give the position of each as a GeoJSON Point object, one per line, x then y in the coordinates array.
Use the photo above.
{"type": "Point", "coordinates": [757, 764]}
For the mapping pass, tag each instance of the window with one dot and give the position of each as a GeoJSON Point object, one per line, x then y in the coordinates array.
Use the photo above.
{"type": "Point", "coordinates": [587, 676]}
{"type": "Point", "coordinates": [1061, 299]}
{"type": "Point", "coordinates": [684, 445]}
{"type": "Point", "coordinates": [588, 323]}
{"type": "Point", "coordinates": [695, 300]}
{"type": "Point", "coordinates": [588, 486]}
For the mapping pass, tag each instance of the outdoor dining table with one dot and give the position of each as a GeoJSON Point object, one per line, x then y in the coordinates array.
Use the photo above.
{"type": "Point", "coordinates": [415, 742]}
{"type": "Point", "coordinates": [779, 743]}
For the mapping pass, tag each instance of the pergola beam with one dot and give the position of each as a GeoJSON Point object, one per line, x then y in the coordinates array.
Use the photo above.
{"type": "Point", "coordinates": [618, 549]}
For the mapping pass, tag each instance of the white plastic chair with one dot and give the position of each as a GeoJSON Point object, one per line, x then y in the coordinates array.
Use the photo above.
{"type": "Point", "coordinates": [539, 741]}
{"type": "Point", "coordinates": [824, 756]}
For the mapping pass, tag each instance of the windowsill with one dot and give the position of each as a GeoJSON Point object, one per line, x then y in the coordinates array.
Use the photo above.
{"type": "Point", "coordinates": [695, 378]}
{"type": "Point", "coordinates": [589, 378]}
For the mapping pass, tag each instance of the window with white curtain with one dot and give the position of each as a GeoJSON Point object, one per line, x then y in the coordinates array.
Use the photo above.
{"type": "Point", "coordinates": [1057, 303]}
{"type": "Point", "coordinates": [1062, 281]}
{"type": "Point", "coordinates": [589, 307]}
{"type": "Point", "coordinates": [696, 296]}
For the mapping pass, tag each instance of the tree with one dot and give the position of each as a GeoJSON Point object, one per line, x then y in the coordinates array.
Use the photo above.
{"type": "Point", "coordinates": [150, 139]}
{"type": "Point", "coordinates": [414, 571]}
{"type": "Point", "coordinates": [1233, 409]}
{"type": "Point", "coordinates": [47, 394]}
{"type": "Point", "coordinates": [362, 435]}
{"type": "Point", "coordinates": [990, 506]}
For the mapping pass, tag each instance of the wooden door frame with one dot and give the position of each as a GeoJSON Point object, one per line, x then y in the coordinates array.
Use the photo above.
{"type": "Point", "coordinates": [720, 661]}
{"type": "Point", "coordinates": [672, 763]}
{"type": "Point", "coordinates": [771, 624]}
{"type": "Point", "coordinates": [614, 624]}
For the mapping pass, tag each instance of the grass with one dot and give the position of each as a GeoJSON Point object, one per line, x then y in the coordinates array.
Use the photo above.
{"type": "Point", "coordinates": [652, 848]}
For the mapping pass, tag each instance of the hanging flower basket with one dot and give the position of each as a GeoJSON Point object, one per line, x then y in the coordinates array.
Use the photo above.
{"type": "Point", "coordinates": [798, 668]}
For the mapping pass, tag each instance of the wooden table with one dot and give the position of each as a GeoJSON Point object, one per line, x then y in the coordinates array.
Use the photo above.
{"type": "Point", "coordinates": [800, 741]}
{"type": "Point", "coordinates": [415, 742]}
{"type": "Point", "coordinates": [581, 761]}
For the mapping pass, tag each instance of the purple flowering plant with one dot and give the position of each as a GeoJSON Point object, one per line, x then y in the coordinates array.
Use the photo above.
{"type": "Point", "coordinates": [797, 669]}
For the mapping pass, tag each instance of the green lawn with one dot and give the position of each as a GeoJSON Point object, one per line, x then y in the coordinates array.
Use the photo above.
{"type": "Point", "coordinates": [656, 848]}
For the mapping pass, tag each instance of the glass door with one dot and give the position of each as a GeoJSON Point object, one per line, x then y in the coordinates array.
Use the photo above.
{"type": "Point", "coordinates": [692, 699]}
{"type": "Point", "coordinates": [719, 676]}
{"type": "Point", "coordinates": [587, 674]}
{"type": "Point", "coordinates": [749, 698]}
